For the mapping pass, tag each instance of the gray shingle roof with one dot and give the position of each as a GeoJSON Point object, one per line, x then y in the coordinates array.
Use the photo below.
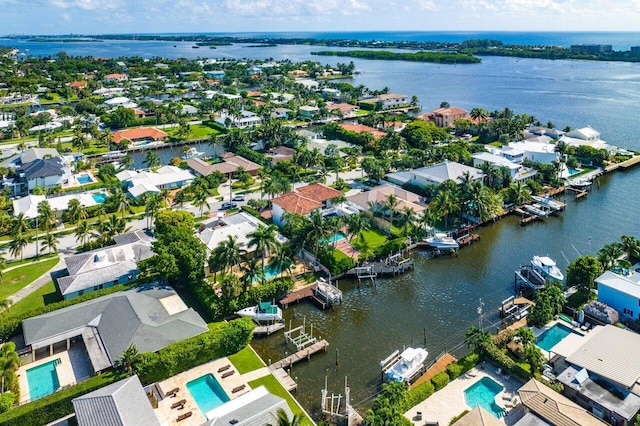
{"type": "Point", "coordinates": [135, 316]}
{"type": "Point", "coordinates": [43, 168]}
{"type": "Point", "coordinates": [255, 408]}
{"type": "Point", "coordinates": [122, 403]}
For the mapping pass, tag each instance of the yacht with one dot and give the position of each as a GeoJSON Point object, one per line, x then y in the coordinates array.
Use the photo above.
{"type": "Point", "coordinates": [192, 153]}
{"type": "Point", "coordinates": [442, 241]}
{"type": "Point", "coordinates": [264, 311]}
{"type": "Point", "coordinates": [409, 363]}
{"type": "Point", "coordinates": [547, 267]}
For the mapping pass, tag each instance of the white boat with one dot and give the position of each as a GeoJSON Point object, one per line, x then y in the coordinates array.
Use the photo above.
{"type": "Point", "coordinates": [408, 365]}
{"type": "Point", "coordinates": [579, 183]}
{"type": "Point", "coordinates": [547, 267]}
{"type": "Point", "coordinates": [442, 241]}
{"type": "Point", "coordinates": [548, 202]}
{"type": "Point", "coordinates": [264, 311]}
{"type": "Point", "coordinates": [192, 153]}
{"type": "Point", "coordinates": [113, 155]}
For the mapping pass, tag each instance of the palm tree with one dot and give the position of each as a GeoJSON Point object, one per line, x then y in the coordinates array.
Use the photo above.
{"type": "Point", "coordinates": [9, 363]}
{"type": "Point", "coordinates": [82, 232]}
{"type": "Point", "coordinates": [151, 160]}
{"type": "Point", "coordinates": [282, 419]}
{"type": "Point", "coordinates": [20, 223]}
{"type": "Point", "coordinates": [520, 192]}
{"type": "Point", "coordinates": [477, 339]}
{"type": "Point", "coordinates": [532, 355]}
{"type": "Point", "coordinates": [631, 246]}
{"type": "Point", "coordinates": [50, 242]}
{"type": "Point", "coordinates": [79, 140]}
{"type": "Point", "coordinates": [445, 204]}
{"type": "Point", "coordinates": [227, 254]}
{"type": "Point", "coordinates": [47, 216]}
{"type": "Point", "coordinates": [391, 204]}
{"type": "Point", "coordinates": [609, 254]}
{"type": "Point", "coordinates": [121, 201]}
{"type": "Point", "coordinates": [252, 272]}
{"type": "Point", "coordinates": [408, 218]}
{"type": "Point", "coordinates": [356, 223]}
{"type": "Point", "coordinates": [525, 336]}
{"type": "Point", "coordinates": [200, 199]}
{"type": "Point", "coordinates": [264, 239]}
{"type": "Point", "coordinates": [556, 298]}
{"type": "Point", "coordinates": [317, 229]}
{"type": "Point", "coordinates": [561, 149]}
{"type": "Point", "coordinates": [76, 211]}
{"type": "Point", "coordinates": [18, 243]}
{"type": "Point", "coordinates": [152, 205]}
{"type": "Point", "coordinates": [128, 358]}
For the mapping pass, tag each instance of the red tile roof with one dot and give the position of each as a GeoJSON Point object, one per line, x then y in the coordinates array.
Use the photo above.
{"type": "Point", "coordinates": [449, 111]}
{"type": "Point", "coordinates": [78, 84]}
{"type": "Point", "coordinates": [139, 133]}
{"type": "Point", "coordinates": [319, 192]}
{"type": "Point", "coordinates": [115, 76]}
{"type": "Point", "coordinates": [360, 128]}
{"type": "Point", "coordinates": [306, 199]}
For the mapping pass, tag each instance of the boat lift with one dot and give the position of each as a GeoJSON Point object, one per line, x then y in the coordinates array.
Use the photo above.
{"type": "Point", "coordinates": [298, 337]}
{"type": "Point", "coordinates": [366, 272]}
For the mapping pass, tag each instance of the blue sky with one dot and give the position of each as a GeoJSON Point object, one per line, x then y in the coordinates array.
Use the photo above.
{"type": "Point", "coordinates": [149, 16]}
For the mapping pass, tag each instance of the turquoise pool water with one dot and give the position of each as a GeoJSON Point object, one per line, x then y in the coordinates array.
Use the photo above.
{"type": "Point", "coordinates": [552, 336]}
{"type": "Point", "coordinates": [99, 197]}
{"type": "Point", "coordinates": [207, 393]}
{"type": "Point", "coordinates": [483, 393]}
{"type": "Point", "coordinates": [334, 238]}
{"type": "Point", "coordinates": [84, 178]}
{"type": "Point", "coordinates": [43, 380]}
{"type": "Point", "coordinates": [573, 171]}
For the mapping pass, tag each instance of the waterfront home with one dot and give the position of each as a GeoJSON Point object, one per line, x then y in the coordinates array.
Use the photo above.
{"type": "Point", "coordinates": [230, 164]}
{"type": "Point", "coordinates": [602, 373]}
{"type": "Point", "coordinates": [138, 183]}
{"type": "Point", "coordinates": [281, 153]}
{"type": "Point", "coordinates": [308, 111]}
{"type": "Point", "coordinates": [281, 113]}
{"type": "Point", "coordinates": [434, 175]}
{"type": "Point", "coordinates": [361, 128]}
{"type": "Point", "coordinates": [543, 405]}
{"type": "Point", "coordinates": [217, 74]}
{"type": "Point", "coordinates": [116, 77]}
{"type": "Point", "coordinates": [380, 194]}
{"type": "Point", "coordinates": [622, 293]}
{"type": "Point", "coordinates": [386, 101]}
{"type": "Point", "coordinates": [123, 403]}
{"type": "Point", "coordinates": [28, 205]}
{"type": "Point", "coordinates": [140, 136]}
{"type": "Point", "coordinates": [120, 101]}
{"type": "Point", "coordinates": [533, 151]}
{"type": "Point", "coordinates": [32, 154]}
{"type": "Point", "coordinates": [150, 317]}
{"type": "Point", "coordinates": [344, 109]}
{"type": "Point", "coordinates": [586, 136]}
{"type": "Point", "coordinates": [307, 134]}
{"type": "Point", "coordinates": [240, 225]}
{"type": "Point", "coordinates": [444, 117]}
{"type": "Point", "coordinates": [45, 173]}
{"type": "Point", "coordinates": [105, 267]}
{"type": "Point", "coordinates": [331, 94]}
{"type": "Point", "coordinates": [551, 132]}
{"type": "Point", "coordinates": [303, 201]}
{"type": "Point", "coordinates": [245, 119]}
{"type": "Point", "coordinates": [322, 145]}
{"type": "Point", "coordinates": [516, 170]}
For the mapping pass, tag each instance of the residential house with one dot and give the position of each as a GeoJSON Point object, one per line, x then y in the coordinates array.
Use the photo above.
{"type": "Point", "coordinates": [120, 101]}
{"type": "Point", "coordinates": [322, 145]}
{"type": "Point", "coordinates": [217, 74]}
{"type": "Point", "coordinates": [622, 293]}
{"type": "Point", "coordinates": [516, 170]}
{"type": "Point", "coordinates": [297, 74]}
{"type": "Point", "coordinates": [602, 374]}
{"type": "Point", "coordinates": [230, 164]}
{"type": "Point", "coordinates": [78, 85]}
{"type": "Point", "coordinates": [434, 175]}
{"type": "Point", "coordinates": [281, 113]}
{"type": "Point", "coordinates": [552, 132]}
{"type": "Point", "coordinates": [536, 152]}
{"type": "Point", "coordinates": [28, 205]}
{"type": "Point", "coordinates": [245, 119]}
{"type": "Point", "coordinates": [281, 153]}
{"type": "Point", "coordinates": [586, 136]}
{"type": "Point", "coordinates": [553, 408]}
{"type": "Point", "coordinates": [150, 317]}
{"type": "Point", "coordinates": [103, 268]}
{"type": "Point", "coordinates": [189, 110]}
{"type": "Point", "coordinates": [123, 403]}
{"type": "Point", "coordinates": [445, 117]}
{"type": "Point", "coordinates": [254, 70]}
{"type": "Point", "coordinates": [308, 111]}
{"type": "Point", "coordinates": [140, 182]}
{"type": "Point", "coordinates": [479, 417]}
{"type": "Point", "coordinates": [110, 78]}
{"type": "Point", "coordinates": [387, 100]}
{"type": "Point", "coordinates": [46, 173]}
{"type": "Point", "coordinates": [140, 135]}
{"type": "Point", "coordinates": [308, 83]}
{"type": "Point", "coordinates": [257, 407]}
{"type": "Point", "coordinates": [361, 128]}
{"type": "Point", "coordinates": [344, 109]}
{"type": "Point", "coordinates": [32, 154]}
{"type": "Point", "coordinates": [303, 201]}
{"type": "Point", "coordinates": [331, 94]}
{"type": "Point", "coordinates": [381, 193]}
{"type": "Point", "coordinates": [307, 134]}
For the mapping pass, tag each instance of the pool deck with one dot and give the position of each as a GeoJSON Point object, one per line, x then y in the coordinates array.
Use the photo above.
{"type": "Point", "coordinates": [558, 348]}
{"type": "Point", "coordinates": [64, 370]}
{"type": "Point", "coordinates": [449, 402]}
{"type": "Point", "coordinates": [169, 416]}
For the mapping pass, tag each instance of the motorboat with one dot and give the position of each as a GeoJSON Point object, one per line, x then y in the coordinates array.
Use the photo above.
{"type": "Point", "coordinates": [264, 311]}
{"type": "Point", "coordinates": [547, 267]}
{"type": "Point", "coordinates": [192, 153]}
{"type": "Point", "coordinates": [442, 241]}
{"type": "Point", "coordinates": [548, 202]}
{"type": "Point", "coordinates": [579, 183]}
{"type": "Point", "coordinates": [409, 363]}
{"type": "Point", "coordinates": [113, 155]}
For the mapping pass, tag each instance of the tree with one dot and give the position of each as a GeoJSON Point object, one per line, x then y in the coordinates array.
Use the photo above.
{"type": "Point", "coordinates": [46, 216]}
{"type": "Point", "coordinates": [542, 312]}
{"type": "Point", "coordinates": [18, 243]}
{"type": "Point", "coordinates": [525, 336]}
{"type": "Point", "coordinates": [582, 272]}
{"type": "Point", "coordinates": [152, 160]}
{"type": "Point", "coordinates": [50, 242]}
{"type": "Point", "coordinates": [282, 419]}
{"type": "Point", "coordinates": [200, 196]}
{"type": "Point", "coordinates": [532, 355]}
{"type": "Point", "coordinates": [392, 205]}
{"type": "Point", "coordinates": [227, 254]}
{"type": "Point", "coordinates": [264, 239]}
{"type": "Point", "coordinates": [631, 246]}
{"type": "Point", "coordinates": [252, 272]}
{"type": "Point", "coordinates": [316, 230]}
{"type": "Point", "coordinates": [121, 201]}
{"type": "Point", "coordinates": [356, 223]}
{"type": "Point", "coordinates": [20, 223]}
{"type": "Point", "coordinates": [445, 203]}
{"type": "Point", "coordinates": [230, 286]}
{"type": "Point", "coordinates": [126, 361]}
{"type": "Point", "coordinates": [82, 232]}
{"type": "Point", "coordinates": [556, 298]}
{"type": "Point", "coordinates": [477, 339]}
{"type": "Point", "coordinates": [76, 211]}
{"type": "Point", "coordinates": [9, 363]}
{"type": "Point", "coordinates": [79, 140]}
{"type": "Point", "coordinates": [152, 205]}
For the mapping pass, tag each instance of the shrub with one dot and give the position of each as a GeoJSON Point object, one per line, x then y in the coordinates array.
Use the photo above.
{"type": "Point", "coordinates": [440, 380]}
{"type": "Point", "coordinates": [454, 370]}
{"type": "Point", "coordinates": [458, 417]}
{"type": "Point", "coordinates": [469, 361]}
{"type": "Point", "coordinates": [417, 394]}
{"type": "Point", "coordinates": [503, 338]}
{"type": "Point", "coordinates": [390, 247]}
{"type": "Point", "coordinates": [7, 400]}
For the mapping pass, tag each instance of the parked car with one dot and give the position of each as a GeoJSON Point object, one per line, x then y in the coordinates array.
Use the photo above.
{"type": "Point", "coordinates": [238, 197]}
{"type": "Point", "coordinates": [228, 205]}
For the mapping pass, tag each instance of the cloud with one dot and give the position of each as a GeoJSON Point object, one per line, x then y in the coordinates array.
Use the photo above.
{"type": "Point", "coordinates": [87, 4]}
{"type": "Point", "coordinates": [426, 5]}
{"type": "Point", "coordinates": [293, 8]}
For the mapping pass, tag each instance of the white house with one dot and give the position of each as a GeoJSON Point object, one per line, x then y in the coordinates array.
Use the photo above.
{"type": "Point", "coordinates": [543, 153]}
{"type": "Point", "coordinates": [388, 100]}
{"type": "Point", "coordinates": [516, 170]}
{"type": "Point", "coordinates": [139, 183]}
{"type": "Point", "coordinates": [246, 119]}
{"type": "Point", "coordinates": [621, 293]}
{"type": "Point", "coordinates": [586, 136]}
{"type": "Point", "coordinates": [434, 175]}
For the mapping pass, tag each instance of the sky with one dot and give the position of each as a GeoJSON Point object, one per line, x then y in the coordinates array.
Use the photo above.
{"type": "Point", "coordinates": [169, 16]}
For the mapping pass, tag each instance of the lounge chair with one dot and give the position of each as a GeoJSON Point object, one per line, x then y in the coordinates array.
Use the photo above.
{"type": "Point", "coordinates": [179, 404]}
{"type": "Point", "coordinates": [507, 396]}
{"type": "Point", "coordinates": [227, 374]}
{"type": "Point", "coordinates": [186, 415]}
{"type": "Point", "coordinates": [238, 388]}
{"type": "Point", "coordinates": [225, 368]}
{"type": "Point", "coordinates": [173, 392]}
{"type": "Point", "coordinates": [499, 371]}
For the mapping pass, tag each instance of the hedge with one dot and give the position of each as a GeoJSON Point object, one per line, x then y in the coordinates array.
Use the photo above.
{"type": "Point", "coordinates": [440, 380]}
{"type": "Point", "coordinates": [181, 356]}
{"type": "Point", "coordinates": [499, 357]}
{"type": "Point", "coordinates": [417, 394]}
{"type": "Point", "coordinates": [458, 417]}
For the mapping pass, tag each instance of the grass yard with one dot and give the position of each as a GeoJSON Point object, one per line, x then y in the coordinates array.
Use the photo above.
{"type": "Point", "coordinates": [18, 278]}
{"type": "Point", "coordinates": [39, 298]}
{"type": "Point", "coordinates": [578, 299]}
{"type": "Point", "coordinates": [246, 360]}
{"type": "Point", "coordinates": [370, 239]}
{"type": "Point", "coordinates": [42, 258]}
{"type": "Point", "coordinates": [198, 131]}
{"type": "Point", "coordinates": [274, 387]}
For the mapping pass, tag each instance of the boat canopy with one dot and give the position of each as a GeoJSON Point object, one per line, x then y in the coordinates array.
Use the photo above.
{"type": "Point", "coordinates": [547, 261]}
{"type": "Point", "coordinates": [268, 308]}
{"type": "Point", "coordinates": [410, 353]}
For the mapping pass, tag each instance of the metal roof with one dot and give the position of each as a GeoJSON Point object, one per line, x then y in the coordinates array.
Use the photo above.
{"type": "Point", "coordinates": [255, 408]}
{"type": "Point", "coordinates": [122, 403]}
{"type": "Point", "coordinates": [611, 353]}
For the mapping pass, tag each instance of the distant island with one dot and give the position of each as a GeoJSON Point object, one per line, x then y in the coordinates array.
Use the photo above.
{"type": "Point", "coordinates": [435, 57]}
{"type": "Point", "coordinates": [63, 40]}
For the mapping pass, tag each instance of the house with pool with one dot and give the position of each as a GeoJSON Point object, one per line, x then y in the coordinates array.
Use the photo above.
{"type": "Point", "coordinates": [105, 267]}
{"type": "Point", "coordinates": [602, 373]}
{"type": "Point", "coordinates": [70, 344]}
{"type": "Point", "coordinates": [28, 205]}
{"type": "Point", "coordinates": [620, 292]}
{"type": "Point", "coordinates": [304, 200]}
{"type": "Point", "coordinates": [138, 183]}
{"type": "Point", "coordinates": [434, 175]}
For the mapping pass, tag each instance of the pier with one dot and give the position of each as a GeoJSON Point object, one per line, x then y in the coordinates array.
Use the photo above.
{"type": "Point", "coordinates": [467, 239]}
{"type": "Point", "coordinates": [302, 354]}
{"type": "Point", "coordinates": [527, 276]}
{"type": "Point", "coordinates": [268, 329]}
{"type": "Point", "coordinates": [322, 293]}
{"type": "Point", "coordinates": [438, 366]}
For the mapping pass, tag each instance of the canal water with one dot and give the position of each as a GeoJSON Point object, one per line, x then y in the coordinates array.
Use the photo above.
{"type": "Point", "coordinates": [436, 303]}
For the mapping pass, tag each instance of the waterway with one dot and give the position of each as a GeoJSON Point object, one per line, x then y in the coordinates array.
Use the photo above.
{"type": "Point", "coordinates": [437, 302]}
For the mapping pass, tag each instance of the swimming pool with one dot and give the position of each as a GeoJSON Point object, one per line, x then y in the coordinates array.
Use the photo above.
{"type": "Point", "coordinates": [207, 393]}
{"type": "Point", "coordinates": [99, 197]}
{"type": "Point", "coordinates": [334, 238]}
{"type": "Point", "coordinates": [552, 336]}
{"type": "Point", "coordinates": [483, 393]}
{"type": "Point", "coordinates": [43, 380]}
{"type": "Point", "coordinates": [271, 270]}
{"type": "Point", "coordinates": [84, 178]}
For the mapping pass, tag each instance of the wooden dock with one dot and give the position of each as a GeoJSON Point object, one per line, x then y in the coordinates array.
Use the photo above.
{"type": "Point", "coordinates": [438, 366]}
{"type": "Point", "coordinates": [268, 329]}
{"type": "Point", "coordinates": [302, 354]}
{"type": "Point", "coordinates": [468, 239]}
{"type": "Point", "coordinates": [298, 295]}
{"type": "Point", "coordinates": [285, 379]}
{"type": "Point", "coordinates": [633, 161]}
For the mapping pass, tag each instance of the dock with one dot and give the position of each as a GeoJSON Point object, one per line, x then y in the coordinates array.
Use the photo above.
{"type": "Point", "coordinates": [268, 329]}
{"type": "Point", "coordinates": [303, 354]}
{"type": "Point", "coordinates": [298, 295]}
{"type": "Point", "coordinates": [526, 275]}
{"type": "Point", "coordinates": [438, 366]}
{"type": "Point", "coordinates": [526, 217]}
{"type": "Point", "coordinates": [467, 239]}
{"type": "Point", "coordinates": [284, 378]}
{"type": "Point", "coordinates": [322, 293]}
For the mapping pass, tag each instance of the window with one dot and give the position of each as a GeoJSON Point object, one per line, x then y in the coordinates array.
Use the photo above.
{"type": "Point", "coordinates": [81, 292]}
{"type": "Point", "coordinates": [628, 312]}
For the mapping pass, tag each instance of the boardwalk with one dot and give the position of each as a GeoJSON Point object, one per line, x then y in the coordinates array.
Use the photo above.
{"type": "Point", "coordinates": [298, 295]}
{"type": "Point", "coordinates": [437, 367]}
{"type": "Point", "coordinates": [303, 354]}
{"type": "Point", "coordinates": [268, 329]}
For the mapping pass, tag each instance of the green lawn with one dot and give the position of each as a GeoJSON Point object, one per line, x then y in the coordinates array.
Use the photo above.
{"type": "Point", "coordinates": [18, 278]}
{"type": "Point", "coordinates": [577, 299]}
{"type": "Point", "coordinates": [39, 298]}
{"type": "Point", "coordinates": [42, 257]}
{"type": "Point", "coordinates": [246, 360]}
{"type": "Point", "coordinates": [274, 387]}
{"type": "Point", "coordinates": [339, 255]}
{"type": "Point", "coordinates": [198, 131]}
{"type": "Point", "coordinates": [370, 238]}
